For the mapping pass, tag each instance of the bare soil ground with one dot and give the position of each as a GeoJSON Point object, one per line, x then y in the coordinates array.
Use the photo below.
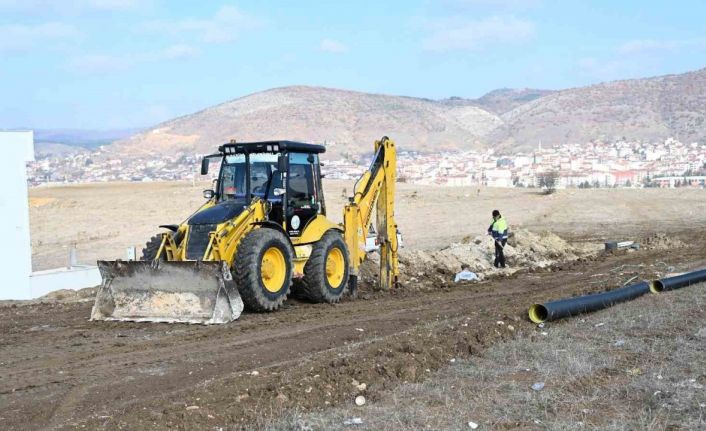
{"type": "Point", "coordinates": [60, 371]}
{"type": "Point", "coordinates": [641, 365]}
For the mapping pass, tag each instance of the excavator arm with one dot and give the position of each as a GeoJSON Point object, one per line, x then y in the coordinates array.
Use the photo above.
{"type": "Point", "coordinates": [374, 190]}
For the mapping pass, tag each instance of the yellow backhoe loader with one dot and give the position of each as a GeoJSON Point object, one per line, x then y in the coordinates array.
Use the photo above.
{"type": "Point", "coordinates": [262, 232]}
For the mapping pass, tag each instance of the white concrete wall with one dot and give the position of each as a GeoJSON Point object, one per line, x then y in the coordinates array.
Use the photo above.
{"type": "Point", "coordinates": [74, 278]}
{"type": "Point", "coordinates": [17, 148]}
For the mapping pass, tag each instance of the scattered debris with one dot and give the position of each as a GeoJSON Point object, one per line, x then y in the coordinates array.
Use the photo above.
{"type": "Point", "coordinates": [353, 421]}
{"type": "Point", "coordinates": [255, 373]}
{"type": "Point", "coordinates": [360, 400]}
{"type": "Point", "coordinates": [630, 280]}
{"type": "Point", "coordinates": [466, 275]}
{"type": "Point", "coordinates": [360, 386]}
{"type": "Point", "coordinates": [598, 325]}
{"type": "Point", "coordinates": [619, 245]}
{"type": "Point", "coordinates": [538, 386]}
{"type": "Point", "coordinates": [619, 343]}
{"type": "Point", "coordinates": [472, 425]}
{"type": "Point", "coordinates": [192, 408]}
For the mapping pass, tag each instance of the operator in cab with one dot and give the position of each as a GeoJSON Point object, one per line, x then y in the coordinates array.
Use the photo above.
{"type": "Point", "coordinates": [498, 230]}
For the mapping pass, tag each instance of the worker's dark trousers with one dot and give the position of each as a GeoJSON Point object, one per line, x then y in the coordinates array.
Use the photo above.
{"type": "Point", "coordinates": [499, 255]}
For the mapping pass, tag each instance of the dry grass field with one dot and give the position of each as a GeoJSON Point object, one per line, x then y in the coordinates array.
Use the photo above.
{"type": "Point", "coordinates": [102, 220]}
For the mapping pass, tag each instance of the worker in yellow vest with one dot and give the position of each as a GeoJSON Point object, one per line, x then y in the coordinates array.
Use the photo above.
{"type": "Point", "coordinates": [498, 230]}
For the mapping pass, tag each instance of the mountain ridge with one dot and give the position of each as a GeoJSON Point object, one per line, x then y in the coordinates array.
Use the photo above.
{"type": "Point", "coordinates": [510, 120]}
{"type": "Point", "coordinates": [342, 118]}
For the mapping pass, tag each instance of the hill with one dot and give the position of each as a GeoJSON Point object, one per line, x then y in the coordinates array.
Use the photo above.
{"type": "Point", "coordinates": [510, 119]}
{"type": "Point", "coordinates": [506, 99]}
{"type": "Point", "coordinates": [67, 142]}
{"type": "Point", "coordinates": [81, 138]}
{"type": "Point", "coordinates": [347, 121]}
{"type": "Point", "coordinates": [645, 109]}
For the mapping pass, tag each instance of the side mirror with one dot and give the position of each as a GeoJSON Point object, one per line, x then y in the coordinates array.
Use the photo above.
{"type": "Point", "coordinates": [204, 165]}
{"type": "Point", "coordinates": [209, 194]}
{"type": "Point", "coordinates": [310, 158]}
{"type": "Point", "coordinates": [282, 163]}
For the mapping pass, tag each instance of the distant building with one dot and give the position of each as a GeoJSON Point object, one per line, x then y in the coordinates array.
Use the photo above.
{"type": "Point", "coordinates": [498, 178]}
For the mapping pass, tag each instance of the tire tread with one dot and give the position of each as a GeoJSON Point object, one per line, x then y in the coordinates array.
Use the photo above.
{"type": "Point", "coordinates": [313, 285]}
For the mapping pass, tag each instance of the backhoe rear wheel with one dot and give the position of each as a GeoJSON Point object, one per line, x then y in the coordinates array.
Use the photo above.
{"type": "Point", "coordinates": [326, 271]}
{"type": "Point", "coordinates": [262, 269]}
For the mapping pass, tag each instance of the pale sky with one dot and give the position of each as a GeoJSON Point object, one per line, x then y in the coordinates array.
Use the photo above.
{"type": "Point", "coordinates": [105, 64]}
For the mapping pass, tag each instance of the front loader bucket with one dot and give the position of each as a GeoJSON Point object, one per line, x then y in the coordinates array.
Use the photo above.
{"type": "Point", "coordinates": [161, 291]}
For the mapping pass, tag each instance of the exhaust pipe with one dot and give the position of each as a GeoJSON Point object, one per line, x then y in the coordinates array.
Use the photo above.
{"type": "Point", "coordinates": [678, 281]}
{"type": "Point", "coordinates": [539, 313]}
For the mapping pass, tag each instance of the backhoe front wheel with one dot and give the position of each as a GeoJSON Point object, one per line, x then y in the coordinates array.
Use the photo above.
{"type": "Point", "coordinates": [262, 269]}
{"type": "Point", "coordinates": [149, 252]}
{"type": "Point", "coordinates": [326, 271]}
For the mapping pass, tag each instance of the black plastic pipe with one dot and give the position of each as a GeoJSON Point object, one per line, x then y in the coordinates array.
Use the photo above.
{"type": "Point", "coordinates": [539, 313]}
{"type": "Point", "coordinates": [678, 281]}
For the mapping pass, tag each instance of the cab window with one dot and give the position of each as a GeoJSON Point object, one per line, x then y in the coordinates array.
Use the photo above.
{"type": "Point", "coordinates": [302, 191]}
{"type": "Point", "coordinates": [264, 176]}
{"type": "Point", "coordinates": [233, 178]}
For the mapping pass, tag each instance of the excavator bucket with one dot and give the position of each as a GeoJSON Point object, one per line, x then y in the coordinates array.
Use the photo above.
{"type": "Point", "coordinates": [161, 291]}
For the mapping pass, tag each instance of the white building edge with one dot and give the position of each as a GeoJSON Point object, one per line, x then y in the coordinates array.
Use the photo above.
{"type": "Point", "coordinates": [19, 282]}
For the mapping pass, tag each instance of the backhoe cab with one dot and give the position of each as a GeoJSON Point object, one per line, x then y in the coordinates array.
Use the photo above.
{"type": "Point", "coordinates": [262, 232]}
{"type": "Point", "coordinates": [285, 175]}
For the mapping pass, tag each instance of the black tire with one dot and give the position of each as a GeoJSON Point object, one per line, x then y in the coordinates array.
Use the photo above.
{"type": "Point", "coordinates": [315, 285]}
{"type": "Point", "coordinates": [149, 252]}
{"type": "Point", "coordinates": [247, 269]}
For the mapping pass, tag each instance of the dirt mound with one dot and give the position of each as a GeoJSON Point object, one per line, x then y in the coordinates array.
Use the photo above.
{"type": "Point", "coordinates": [524, 250]}
{"type": "Point", "coordinates": [661, 241]}
{"type": "Point", "coordinates": [68, 295]}
{"type": "Point", "coordinates": [428, 270]}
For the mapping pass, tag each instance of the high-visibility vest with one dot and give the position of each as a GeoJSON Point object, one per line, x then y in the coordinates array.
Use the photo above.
{"type": "Point", "coordinates": [499, 228]}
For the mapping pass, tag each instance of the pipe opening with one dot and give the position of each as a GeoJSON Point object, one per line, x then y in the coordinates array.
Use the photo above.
{"type": "Point", "coordinates": [656, 286]}
{"type": "Point", "coordinates": [538, 313]}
